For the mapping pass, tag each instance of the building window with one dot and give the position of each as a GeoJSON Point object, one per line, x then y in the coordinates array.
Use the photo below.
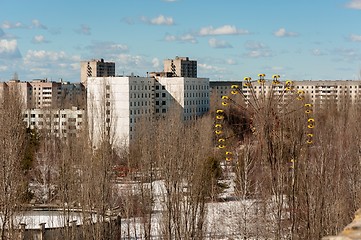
{"type": "Point", "coordinates": [32, 115]}
{"type": "Point", "coordinates": [63, 115]}
{"type": "Point", "coordinates": [163, 94]}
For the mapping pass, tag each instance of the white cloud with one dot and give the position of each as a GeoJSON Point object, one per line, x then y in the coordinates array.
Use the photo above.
{"type": "Point", "coordinates": [107, 49]}
{"type": "Point", "coordinates": [258, 53]}
{"type": "Point", "coordinates": [155, 62]}
{"type": "Point", "coordinates": [355, 38]}
{"type": "Point", "coordinates": [283, 33]}
{"type": "Point", "coordinates": [223, 30]}
{"type": "Point", "coordinates": [84, 29]}
{"type": "Point", "coordinates": [37, 24]}
{"type": "Point", "coordinates": [128, 59]}
{"type": "Point", "coordinates": [257, 49]}
{"type": "Point", "coordinates": [3, 68]}
{"type": "Point", "coordinates": [8, 46]}
{"type": "Point", "coordinates": [354, 4]}
{"type": "Point", "coordinates": [160, 20]}
{"type": "Point", "coordinates": [51, 64]}
{"type": "Point", "coordinates": [348, 54]}
{"type": "Point", "coordinates": [215, 43]}
{"type": "Point", "coordinates": [118, 47]}
{"type": "Point", "coordinates": [170, 38]}
{"type": "Point", "coordinates": [170, 0]}
{"type": "Point", "coordinates": [205, 66]}
{"type": "Point", "coordinates": [9, 25]}
{"type": "Point", "coordinates": [39, 39]}
{"type": "Point", "coordinates": [42, 55]}
{"type": "Point", "coordinates": [231, 62]}
{"type": "Point", "coordinates": [137, 64]}
{"type": "Point", "coordinates": [254, 45]}
{"type": "Point", "coordinates": [318, 52]}
{"type": "Point", "coordinates": [187, 38]}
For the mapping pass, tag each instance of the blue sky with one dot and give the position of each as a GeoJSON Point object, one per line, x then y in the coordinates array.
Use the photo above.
{"type": "Point", "coordinates": [230, 39]}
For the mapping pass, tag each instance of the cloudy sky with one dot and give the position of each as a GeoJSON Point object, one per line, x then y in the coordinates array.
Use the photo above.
{"type": "Point", "coordinates": [230, 39]}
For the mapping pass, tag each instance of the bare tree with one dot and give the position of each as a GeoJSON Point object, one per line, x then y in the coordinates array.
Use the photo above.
{"type": "Point", "coordinates": [11, 151]}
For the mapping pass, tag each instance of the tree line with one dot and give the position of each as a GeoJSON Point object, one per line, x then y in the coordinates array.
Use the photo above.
{"type": "Point", "coordinates": [161, 184]}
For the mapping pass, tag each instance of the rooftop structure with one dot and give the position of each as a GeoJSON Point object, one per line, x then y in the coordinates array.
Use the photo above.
{"type": "Point", "coordinates": [181, 67]}
{"type": "Point", "coordinates": [96, 68]}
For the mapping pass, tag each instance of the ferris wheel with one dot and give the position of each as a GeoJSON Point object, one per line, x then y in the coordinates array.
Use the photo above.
{"type": "Point", "coordinates": [260, 107]}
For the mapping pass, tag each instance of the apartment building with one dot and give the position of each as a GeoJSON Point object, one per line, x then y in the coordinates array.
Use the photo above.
{"type": "Point", "coordinates": [220, 88]}
{"type": "Point", "coordinates": [41, 93]}
{"type": "Point", "coordinates": [318, 92]}
{"type": "Point", "coordinates": [181, 67]}
{"type": "Point", "coordinates": [56, 122]}
{"type": "Point", "coordinates": [191, 94]}
{"type": "Point", "coordinates": [96, 68]}
{"type": "Point", "coordinates": [116, 104]}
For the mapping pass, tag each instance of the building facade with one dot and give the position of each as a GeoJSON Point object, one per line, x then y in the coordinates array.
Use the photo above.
{"type": "Point", "coordinates": [56, 122]}
{"type": "Point", "coordinates": [41, 93]}
{"type": "Point", "coordinates": [96, 68]}
{"type": "Point", "coordinates": [116, 104]}
{"type": "Point", "coordinates": [319, 92]}
{"type": "Point", "coordinates": [191, 94]}
{"type": "Point", "coordinates": [181, 67]}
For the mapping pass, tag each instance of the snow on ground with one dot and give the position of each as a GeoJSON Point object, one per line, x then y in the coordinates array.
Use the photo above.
{"type": "Point", "coordinates": [228, 219]}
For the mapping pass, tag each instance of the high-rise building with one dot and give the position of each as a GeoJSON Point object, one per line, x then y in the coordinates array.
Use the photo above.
{"type": "Point", "coordinates": [96, 68]}
{"type": "Point", "coordinates": [318, 92]}
{"type": "Point", "coordinates": [116, 104]}
{"type": "Point", "coordinates": [181, 67]}
{"type": "Point", "coordinates": [191, 94]}
{"type": "Point", "coordinates": [41, 93]}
